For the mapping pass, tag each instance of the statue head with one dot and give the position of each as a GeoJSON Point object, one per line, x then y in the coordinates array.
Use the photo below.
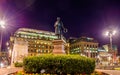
{"type": "Point", "coordinates": [58, 18]}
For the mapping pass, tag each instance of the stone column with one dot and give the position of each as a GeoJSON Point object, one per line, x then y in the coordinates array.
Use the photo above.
{"type": "Point", "coordinates": [89, 54]}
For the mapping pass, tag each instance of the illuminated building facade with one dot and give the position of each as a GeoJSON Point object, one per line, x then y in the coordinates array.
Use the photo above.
{"type": "Point", "coordinates": [36, 42]}
{"type": "Point", "coordinates": [31, 42]}
{"type": "Point", "coordinates": [84, 46]}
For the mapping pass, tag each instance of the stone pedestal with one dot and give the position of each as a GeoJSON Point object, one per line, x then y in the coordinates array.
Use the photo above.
{"type": "Point", "coordinates": [58, 47]}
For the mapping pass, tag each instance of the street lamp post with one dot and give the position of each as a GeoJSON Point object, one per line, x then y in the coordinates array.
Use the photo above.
{"type": "Point", "coordinates": [2, 25]}
{"type": "Point", "coordinates": [110, 33]}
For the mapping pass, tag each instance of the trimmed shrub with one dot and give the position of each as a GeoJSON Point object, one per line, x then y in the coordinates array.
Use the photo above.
{"type": "Point", "coordinates": [57, 64]}
{"type": "Point", "coordinates": [18, 64]}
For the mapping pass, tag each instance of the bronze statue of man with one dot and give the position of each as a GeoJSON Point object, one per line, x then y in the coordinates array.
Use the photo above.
{"type": "Point", "coordinates": [59, 28]}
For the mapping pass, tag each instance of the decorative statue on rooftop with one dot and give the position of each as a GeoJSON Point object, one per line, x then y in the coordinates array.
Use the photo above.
{"type": "Point", "coordinates": [59, 28]}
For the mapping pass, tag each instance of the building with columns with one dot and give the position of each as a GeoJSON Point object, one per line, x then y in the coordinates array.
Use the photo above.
{"type": "Point", "coordinates": [30, 42]}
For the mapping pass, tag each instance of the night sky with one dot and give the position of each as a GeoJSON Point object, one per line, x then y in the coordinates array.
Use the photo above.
{"type": "Point", "coordinates": [81, 17]}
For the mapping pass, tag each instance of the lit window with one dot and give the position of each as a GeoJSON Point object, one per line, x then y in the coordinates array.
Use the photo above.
{"type": "Point", "coordinates": [17, 35]}
{"type": "Point", "coordinates": [37, 42]}
{"type": "Point", "coordinates": [25, 36]}
{"type": "Point", "coordinates": [84, 47]}
{"type": "Point", "coordinates": [22, 35]}
{"type": "Point", "coordinates": [87, 48]}
{"type": "Point", "coordinates": [28, 36]}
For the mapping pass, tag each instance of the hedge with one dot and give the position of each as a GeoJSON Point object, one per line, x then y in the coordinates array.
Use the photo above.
{"type": "Point", "coordinates": [18, 64]}
{"type": "Point", "coordinates": [56, 64]}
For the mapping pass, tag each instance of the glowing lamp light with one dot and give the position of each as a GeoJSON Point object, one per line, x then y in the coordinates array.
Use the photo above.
{"type": "Point", "coordinates": [114, 32]}
{"type": "Point", "coordinates": [1, 65]}
{"type": "Point", "coordinates": [107, 33]}
{"type": "Point", "coordinates": [2, 24]}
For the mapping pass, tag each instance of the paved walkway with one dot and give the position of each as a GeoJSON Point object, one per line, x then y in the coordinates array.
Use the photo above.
{"type": "Point", "coordinates": [111, 72]}
{"type": "Point", "coordinates": [6, 71]}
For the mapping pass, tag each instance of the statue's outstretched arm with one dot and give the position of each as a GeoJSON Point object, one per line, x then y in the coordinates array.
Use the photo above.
{"type": "Point", "coordinates": [64, 29]}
